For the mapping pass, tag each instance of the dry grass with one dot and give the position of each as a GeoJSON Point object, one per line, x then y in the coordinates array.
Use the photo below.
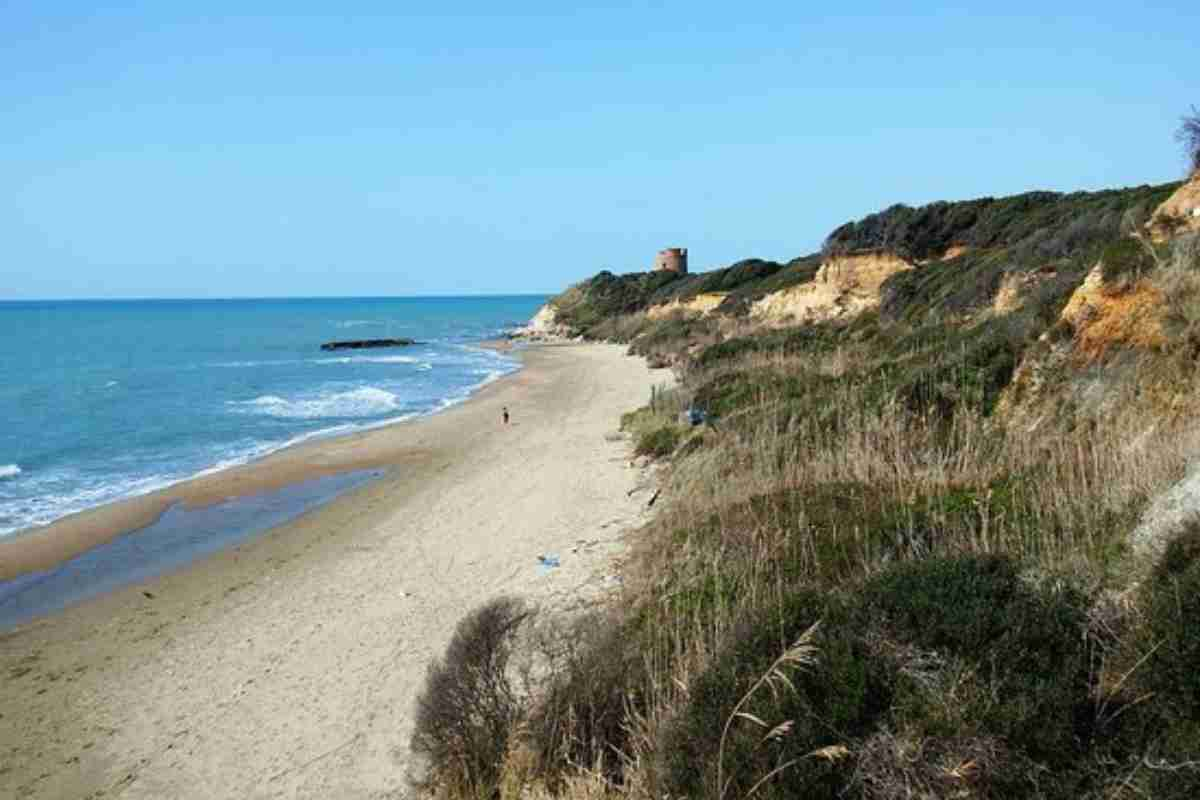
{"type": "Point", "coordinates": [801, 654]}
{"type": "Point", "coordinates": [1059, 502]}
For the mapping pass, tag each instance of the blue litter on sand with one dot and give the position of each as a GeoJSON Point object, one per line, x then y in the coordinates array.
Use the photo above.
{"type": "Point", "coordinates": [547, 563]}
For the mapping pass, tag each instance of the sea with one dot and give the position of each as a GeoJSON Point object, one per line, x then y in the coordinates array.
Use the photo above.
{"type": "Point", "coordinates": [104, 400]}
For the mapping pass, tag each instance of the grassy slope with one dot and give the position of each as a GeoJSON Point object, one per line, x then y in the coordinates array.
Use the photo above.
{"type": "Point", "coordinates": [861, 582]}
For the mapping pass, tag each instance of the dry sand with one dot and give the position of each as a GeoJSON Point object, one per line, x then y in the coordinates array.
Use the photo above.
{"type": "Point", "coordinates": [288, 666]}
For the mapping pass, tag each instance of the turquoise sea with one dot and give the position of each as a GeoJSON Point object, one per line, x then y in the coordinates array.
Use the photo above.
{"type": "Point", "coordinates": [105, 400]}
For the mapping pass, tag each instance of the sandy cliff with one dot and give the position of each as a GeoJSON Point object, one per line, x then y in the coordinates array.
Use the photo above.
{"type": "Point", "coordinates": [700, 304]}
{"type": "Point", "coordinates": [844, 286]}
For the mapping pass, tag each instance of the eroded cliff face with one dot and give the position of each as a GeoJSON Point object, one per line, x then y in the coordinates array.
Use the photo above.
{"type": "Point", "coordinates": [700, 305]}
{"type": "Point", "coordinates": [1091, 362]}
{"type": "Point", "coordinates": [1104, 316]}
{"type": "Point", "coordinates": [844, 286]}
{"type": "Point", "coordinates": [1179, 214]}
{"type": "Point", "coordinates": [1016, 288]}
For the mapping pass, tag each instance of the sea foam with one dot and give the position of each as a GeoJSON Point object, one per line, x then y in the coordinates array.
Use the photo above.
{"type": "Point", "coordinates": [369, 360]}
{"type": "Point", "coordinates": [367, 401]}
{"type": "Point", "coordinates": [9, 470]}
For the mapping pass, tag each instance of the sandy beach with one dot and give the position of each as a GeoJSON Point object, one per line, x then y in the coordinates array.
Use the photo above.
{"type": "Point", "coordinates": [288, 666]}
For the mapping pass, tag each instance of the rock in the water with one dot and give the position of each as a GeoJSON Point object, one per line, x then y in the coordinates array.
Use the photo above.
{"type": "Point", "coordinates": [361, 344]}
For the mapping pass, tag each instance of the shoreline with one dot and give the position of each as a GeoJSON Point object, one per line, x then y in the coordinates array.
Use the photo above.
{"type": "Point", "coordinates": [177, 538]}
{"type": "Point", "coordinates": [287, 666]}
{"type": "Point", "coordinates": [46, 547]}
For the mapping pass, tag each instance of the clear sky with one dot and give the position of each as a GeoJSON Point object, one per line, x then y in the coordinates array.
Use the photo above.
{"type": "Point", "coordinates": [484, 147]}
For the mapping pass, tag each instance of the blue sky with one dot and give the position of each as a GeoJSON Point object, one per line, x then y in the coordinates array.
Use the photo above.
{"type": "Point", "coordinates": [155, 151]}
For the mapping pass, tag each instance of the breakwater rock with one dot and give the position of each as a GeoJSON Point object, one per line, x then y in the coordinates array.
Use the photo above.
{"type": "Point", "coordinates": [362, 344]}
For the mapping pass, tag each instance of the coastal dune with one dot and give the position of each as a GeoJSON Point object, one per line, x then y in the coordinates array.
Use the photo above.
{"type": "Point", "coordinates": [288, 666]}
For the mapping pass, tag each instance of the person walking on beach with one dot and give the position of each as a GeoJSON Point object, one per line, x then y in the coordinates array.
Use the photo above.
{"type": "Point", "coordinates": [504, 414]}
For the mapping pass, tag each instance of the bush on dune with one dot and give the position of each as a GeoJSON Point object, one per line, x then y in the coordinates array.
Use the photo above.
{"type": "Point", "coordinates": [582, 714]}
{"type": "Point", "coordinates": [469, 706]}
{"type": "Point", "coordinates": [797, 729]}
{"type": "Point", "coordinates": [889, 653]}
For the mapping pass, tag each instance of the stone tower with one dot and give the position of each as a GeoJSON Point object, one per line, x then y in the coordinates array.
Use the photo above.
{"type": "Point", "coordinates": [673, 259]}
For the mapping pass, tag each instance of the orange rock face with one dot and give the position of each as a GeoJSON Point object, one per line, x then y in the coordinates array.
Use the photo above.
{"type": "Point", "coordinates": [1103, 318]}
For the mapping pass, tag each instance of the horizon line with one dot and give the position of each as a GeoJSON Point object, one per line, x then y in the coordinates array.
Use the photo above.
{"type": "Point", "coordinates": [228, 298]}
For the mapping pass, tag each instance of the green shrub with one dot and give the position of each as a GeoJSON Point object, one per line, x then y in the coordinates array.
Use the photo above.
{"type": "Point", "coordinates": [1029, 640]}
{"type": "Point", "coordinates": [589, 303]}
{"type": "Point", "coordinates": [1044, 225]}
{"type": "Point", "coordinates": [1173, 619]}
{"type": "Point", "coordinates": [658, 442]}
{"type": "Point", "coordinates": [469, 705]}
{"type": "Point", "coordinates": [840, 698]}
{"type": "Point", "coordinates": [1156, 726]}
{"type": "Point", "coordinates": [1125, 259]}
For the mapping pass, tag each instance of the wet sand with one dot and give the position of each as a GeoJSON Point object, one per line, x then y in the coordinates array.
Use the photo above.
{"type": "Point", "coordinates": [287, 666]}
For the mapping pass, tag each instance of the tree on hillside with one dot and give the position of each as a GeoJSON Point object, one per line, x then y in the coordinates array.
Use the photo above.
{"type": "Point", "coordinates": [1189, 136]}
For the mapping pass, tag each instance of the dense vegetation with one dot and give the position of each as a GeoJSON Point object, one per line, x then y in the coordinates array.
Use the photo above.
{"type": "Point", "coordinates": [864, 580]}
{"type": "Point", "coordinates": [588, 306]}
{"type": "Point", "coordinates": [1057, 237]}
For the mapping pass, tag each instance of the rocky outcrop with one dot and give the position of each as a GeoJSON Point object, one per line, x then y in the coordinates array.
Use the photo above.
{"type": "Point", "coordinates": [1179, 214]}
{"type": "Point", "coordinates": [845, 285]}
{"type": "Point", "coordinates": [699, 305]}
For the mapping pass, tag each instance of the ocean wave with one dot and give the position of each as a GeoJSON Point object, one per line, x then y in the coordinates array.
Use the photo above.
{"type": "Point", "coordinates": [335, 360]}
{"type": "Point", "coordinates": [246, 364]}
{"type": "Point", "coordinates": [9, 470]}
{"type": "Point", "coordinates": [370, 360]}
{"type": "Point", "coordinates": [367, 401]}
{"type": "Point", "coordinates": [490, 376]}
{"type": "Point", "coordinates": [357, 323]}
